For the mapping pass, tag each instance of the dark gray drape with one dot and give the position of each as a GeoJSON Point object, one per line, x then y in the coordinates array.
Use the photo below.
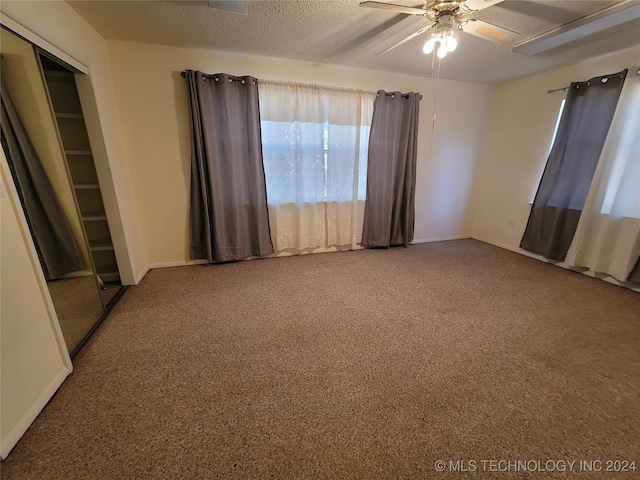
{"type": "Point", "coordinates": [229, 216]}
{"type": "Point", "coordinates": [389, 212]}
{"type": "Point", "coordinates": [571, 164]}
{"type": "Point", "coordinates": [52, 235]}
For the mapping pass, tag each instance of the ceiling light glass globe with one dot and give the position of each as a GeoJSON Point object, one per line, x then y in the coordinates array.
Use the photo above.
{"type": "Point", "coordinates": [428, 47]}
{"type": "Point", "coordinates": [442, 51]}
{"type": "Point", "coordinates": [451, 44]}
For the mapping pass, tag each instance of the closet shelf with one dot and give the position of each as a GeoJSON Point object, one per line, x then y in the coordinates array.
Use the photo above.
{"type": "Point", "coordinates": [58, 74]}
{"type": "Point", "coordinates": [101, 246]}
{"type": "Point", "coordinates": [74, 116]}
{"type": "Point", "coordinates": [77, 152]}
{"type": "Point", "coordinates": [108, 276]}
{"type": "Point", "coordinates": [93, 216]}
{"type": "Point", "coordinates": [86, 186]}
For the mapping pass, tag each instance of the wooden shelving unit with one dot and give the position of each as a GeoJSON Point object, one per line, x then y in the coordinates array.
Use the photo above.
{"type": "Point", "coordinates": [77, 149]}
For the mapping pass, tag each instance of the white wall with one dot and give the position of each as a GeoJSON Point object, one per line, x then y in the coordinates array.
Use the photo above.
{"type": "Point", "coordinates": [33, 356]}
{"type": "Point", "coordinates": [152, 97]}
{"type": "Point", "coordinates": [519, 134]}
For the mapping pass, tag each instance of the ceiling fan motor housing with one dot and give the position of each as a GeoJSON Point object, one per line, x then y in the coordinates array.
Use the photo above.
{"type": "Point", "coordinates": [445, 21]}
{"type": "Point", "coordinates": [436, 10]}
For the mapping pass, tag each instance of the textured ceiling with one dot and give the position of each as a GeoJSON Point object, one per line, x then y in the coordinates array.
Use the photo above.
{"type": "Point", "coordinates": [342, 33]}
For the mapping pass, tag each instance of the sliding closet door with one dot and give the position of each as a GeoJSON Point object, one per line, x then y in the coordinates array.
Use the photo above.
{"type": "Point", "coordinates": [33, 355]}
{"type": "Point", "coordinates": [31, 141]}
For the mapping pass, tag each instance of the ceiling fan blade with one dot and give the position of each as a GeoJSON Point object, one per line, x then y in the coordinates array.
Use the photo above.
{"type": "Point", "coordinates": [394, 8]}
{"type": "Point", "coordinates": [235, 6]}
{"type": "Point", "coordinates": [487, 31]}
{"type": "Point", "coordinates": [477, 5]}
{"type": "Point", "coordinates": [410, 37]}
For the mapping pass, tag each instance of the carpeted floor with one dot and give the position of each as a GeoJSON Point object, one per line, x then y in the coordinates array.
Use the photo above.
{"type": "Point", "coordinates": [372, 364]}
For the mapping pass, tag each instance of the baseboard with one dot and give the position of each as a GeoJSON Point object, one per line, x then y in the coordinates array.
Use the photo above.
{"type": "Point", "coordinates": [513, 249]}
{"type": "Point", "coordinates": [287, 253]}
{"type": "Point", "coordinates": [30, 415]}
{"type": "Point", "coordinates": [588, 273]}
{"type": "Point", "coordinates": [178, 263]}
{"type": "Point", "coordinates": [140, 275]}
{"type": "Point", "coordinates": [439, 239]}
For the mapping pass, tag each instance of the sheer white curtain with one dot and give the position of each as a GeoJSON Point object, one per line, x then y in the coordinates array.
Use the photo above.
{"type": "Point", "coordinates": [607, 238]}
{"type": "Point", "coordinates": [314, 142]}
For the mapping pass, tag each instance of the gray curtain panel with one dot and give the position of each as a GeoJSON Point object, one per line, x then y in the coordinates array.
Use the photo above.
{"type": "Point", "coordinates": [52, 235]}
{"type": "Point", "coordinates": [389, 212]}
{"type": "Point", "coordinates": [572, 162]}
{"type": "Point", "coordinates": [229, 216]}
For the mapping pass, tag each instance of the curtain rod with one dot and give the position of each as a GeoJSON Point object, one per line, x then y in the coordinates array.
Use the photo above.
{"type": "Point", "coordinates": [393, 94]}
{"type": "Point", "coordinates": [636, 70]}
{"type": "Point", "coordinates": [338, 89]}
{"type": "Point", "coordinates": [312, 85]}
{"type": "Point", "coordinates": [283, 82]}
{"type": "Point", "coordinates": [183, 74]}
{"type": "Point", "coordinates": [558, 89]}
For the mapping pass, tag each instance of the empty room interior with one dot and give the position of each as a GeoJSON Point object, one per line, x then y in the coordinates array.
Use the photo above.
{"type": "Point", "coordinates": [317, 239]}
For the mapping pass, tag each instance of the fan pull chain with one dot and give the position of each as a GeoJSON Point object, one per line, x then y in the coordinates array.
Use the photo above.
{"type": "Point", "coordinates": [435, 103]}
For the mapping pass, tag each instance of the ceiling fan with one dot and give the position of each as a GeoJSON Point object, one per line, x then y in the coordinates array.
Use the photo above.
{"type": "Point", "coordinates": [445, 16]}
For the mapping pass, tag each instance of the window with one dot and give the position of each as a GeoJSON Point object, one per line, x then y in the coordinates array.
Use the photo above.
{"type": "Point", "coordinates": [314, 144]}
{"type": "Point", "coordinates": [608, 233]}
{"type": "Point", "coordinates": [620, 160]}
{"type": "Point", "coordinates": [553, 139]}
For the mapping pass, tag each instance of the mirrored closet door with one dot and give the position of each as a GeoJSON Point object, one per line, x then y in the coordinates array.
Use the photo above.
{"type": "Point", "coordinates": [48, 152]}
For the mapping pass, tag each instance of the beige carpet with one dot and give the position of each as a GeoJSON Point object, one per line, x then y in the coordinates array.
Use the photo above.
{"type": "Point", "coordinates": [372, 364]}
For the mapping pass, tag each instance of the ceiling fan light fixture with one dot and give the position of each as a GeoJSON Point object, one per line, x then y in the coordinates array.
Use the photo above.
{"type": "Point", "coordinates": [444, 37]}
{"type": "Point", "coordinates": [444, 17]}
{"type": "Point", "coordinates": [442, 51]}
{"type": "Point", "coordinates": [451, 44]}
{"type": "Point", "coordinates": [429, 45]}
